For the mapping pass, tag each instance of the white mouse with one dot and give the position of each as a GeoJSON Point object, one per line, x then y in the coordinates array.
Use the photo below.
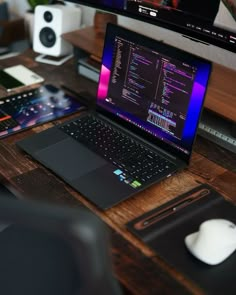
{"type": "Point", "coordinates": [214, 242]}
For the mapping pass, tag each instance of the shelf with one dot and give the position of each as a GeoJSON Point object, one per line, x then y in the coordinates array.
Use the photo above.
{"type": "Point", "coordinates": [221, 94]}
{"type": "Point", "coordinates": [86, 39]}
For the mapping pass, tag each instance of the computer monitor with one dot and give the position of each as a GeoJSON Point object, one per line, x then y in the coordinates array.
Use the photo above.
{"type": "Point", "coordinates": [211, 21]}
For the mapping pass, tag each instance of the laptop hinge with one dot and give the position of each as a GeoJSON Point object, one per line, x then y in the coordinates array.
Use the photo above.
{"type": "Point", "coordinates": [144, 141]}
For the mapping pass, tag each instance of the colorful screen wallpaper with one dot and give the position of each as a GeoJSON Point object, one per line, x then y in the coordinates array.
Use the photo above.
{"type": "Point", "coordinates": [180, 140]}
{"type": "Point", "coordinates": [24, 110]}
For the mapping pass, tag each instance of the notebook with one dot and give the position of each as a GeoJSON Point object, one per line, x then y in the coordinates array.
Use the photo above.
{"type": "Point", "coordinates": [149, 101]}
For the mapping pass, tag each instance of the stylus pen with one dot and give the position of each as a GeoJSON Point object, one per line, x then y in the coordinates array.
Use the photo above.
{"type": "Point", "coordinates": [171, 209]}
{"type": "Point", "coordinates": [167, 212]}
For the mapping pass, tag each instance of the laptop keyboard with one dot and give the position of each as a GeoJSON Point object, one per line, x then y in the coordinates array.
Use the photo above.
{"type": "Point", "coordinates": [124, 152]}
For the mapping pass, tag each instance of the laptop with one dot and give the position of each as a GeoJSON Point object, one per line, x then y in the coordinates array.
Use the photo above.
{"type": "Point", "coordinates": [149, 101]}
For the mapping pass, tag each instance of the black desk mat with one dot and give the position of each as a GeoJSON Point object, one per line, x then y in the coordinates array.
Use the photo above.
{"type": "Point", "coordinates": [164, 230]}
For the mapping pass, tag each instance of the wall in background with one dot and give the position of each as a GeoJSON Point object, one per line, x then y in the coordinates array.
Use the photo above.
{"type": "Point", "coordinates": [18, 6]}
{"type": "Point", "coordinates": [212, 53]}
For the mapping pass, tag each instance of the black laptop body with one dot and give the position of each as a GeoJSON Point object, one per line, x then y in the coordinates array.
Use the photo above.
{"type": "Point", "coordinates": [149, 101]}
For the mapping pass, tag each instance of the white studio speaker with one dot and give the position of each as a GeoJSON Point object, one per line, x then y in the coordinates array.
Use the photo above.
{"type": "Point", "coordinates": [51, 21]}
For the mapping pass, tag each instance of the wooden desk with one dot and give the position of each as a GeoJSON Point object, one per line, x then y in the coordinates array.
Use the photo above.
{"type": "Point", "coordinates": [137, 267]}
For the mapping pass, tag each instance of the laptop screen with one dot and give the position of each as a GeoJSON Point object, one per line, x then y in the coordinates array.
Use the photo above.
{"type": "Point", "coordinates": [153, 86]}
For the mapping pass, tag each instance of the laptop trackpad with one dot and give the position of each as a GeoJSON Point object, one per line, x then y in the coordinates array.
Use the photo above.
{"type": "Point", "coordinates": [69, 159]}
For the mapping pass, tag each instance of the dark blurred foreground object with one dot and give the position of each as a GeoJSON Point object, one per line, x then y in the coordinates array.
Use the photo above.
{"type": "Point", "coordinates": [53, 250]}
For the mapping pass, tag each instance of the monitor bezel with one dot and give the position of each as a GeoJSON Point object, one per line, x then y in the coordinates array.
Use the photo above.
{"type": "Point", "coordinates": [187, 33]}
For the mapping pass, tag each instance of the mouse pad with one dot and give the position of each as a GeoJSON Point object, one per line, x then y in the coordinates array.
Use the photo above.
{"type": "Point", "coordinates": [164, 229]}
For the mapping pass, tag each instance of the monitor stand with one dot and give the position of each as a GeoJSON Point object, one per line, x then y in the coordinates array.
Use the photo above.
{"type": "Point", "coordinates": [52, 60]}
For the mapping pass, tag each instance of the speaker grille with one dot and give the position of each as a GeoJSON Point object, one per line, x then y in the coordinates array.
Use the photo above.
{"type": "Point", "coordinates": [47, 37]}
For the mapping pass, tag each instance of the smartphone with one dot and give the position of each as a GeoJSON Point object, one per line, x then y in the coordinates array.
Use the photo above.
{"type": "Point", "coordinates": [13, 78]}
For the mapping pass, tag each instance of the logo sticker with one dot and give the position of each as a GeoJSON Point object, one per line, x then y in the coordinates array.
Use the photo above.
{"type": "Point", "coordinates": [127, 179]}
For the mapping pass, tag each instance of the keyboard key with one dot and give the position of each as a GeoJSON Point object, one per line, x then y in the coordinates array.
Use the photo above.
{"type": "Point", "coordinates": [133, 157]}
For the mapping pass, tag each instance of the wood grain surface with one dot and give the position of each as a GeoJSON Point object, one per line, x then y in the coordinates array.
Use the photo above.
{"type": "Point", "coordinates": [136, 266]}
